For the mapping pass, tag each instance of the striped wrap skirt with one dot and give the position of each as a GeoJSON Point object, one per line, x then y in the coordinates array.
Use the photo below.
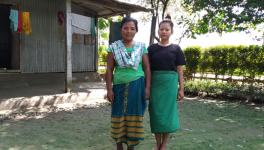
{"type": "Point", "coordinates": [128, 110]}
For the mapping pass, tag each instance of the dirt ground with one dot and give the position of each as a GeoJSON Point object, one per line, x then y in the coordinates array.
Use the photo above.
{"type": "Point", "coordinates": [205, 124]}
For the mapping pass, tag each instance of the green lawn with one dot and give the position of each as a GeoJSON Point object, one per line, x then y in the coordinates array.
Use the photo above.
{"type": "Point", "coordinates": [204, 125]}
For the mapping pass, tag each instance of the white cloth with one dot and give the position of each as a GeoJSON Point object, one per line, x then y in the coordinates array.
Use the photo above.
{"type": "Point", "coordinates": [81, 24]}
{"type": "Point", "coordinates": [121, 56]}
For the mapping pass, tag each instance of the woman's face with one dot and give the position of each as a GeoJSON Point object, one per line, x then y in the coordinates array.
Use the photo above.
{"type": "Point", "coordinates": [128, 31]}
{"type": "Point", "coordinates": [165, 31]}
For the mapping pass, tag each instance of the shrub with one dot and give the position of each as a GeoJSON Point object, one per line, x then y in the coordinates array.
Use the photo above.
{"type": "Point", "coordinates": [246, 61]}
{"type": "Point", "coordinates": [192, 56]}
{"type": "Point", "coordinates": [218, 57]}
{"type": "Point", "coordinates": [102, 55]}
{"type": "Point", "coordinates": [205, 62]}
{"type": "Point", "coordinates": [224, 90]}
{"type": "Point", "coordinates": [232, 60]}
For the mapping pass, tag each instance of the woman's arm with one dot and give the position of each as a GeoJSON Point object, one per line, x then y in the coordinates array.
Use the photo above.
{"type": "Point", "coordinates": [181, 83]}
{"type": "Point", "coordinates": [109, 76]}
{"type": "Point", "coordinates": [146, 68]}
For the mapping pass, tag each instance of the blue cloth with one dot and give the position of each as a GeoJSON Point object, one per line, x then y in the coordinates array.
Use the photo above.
{"type": "Point", "coordinates": [93, 27]}
{"type": "Point", "coordinates": [129, 98]}
{"type": "Point", "coordinates": [115, 33]}
{"type": "Point", "coordinates": [128, 110]}
{"type": "Point", "coordinates": [13, 19]}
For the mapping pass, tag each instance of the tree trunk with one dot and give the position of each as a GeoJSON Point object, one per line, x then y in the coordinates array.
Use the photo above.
{"type": "Point", "coordinates": [165, 5]}
{"type": "Point", "coordinates": [153, 29]}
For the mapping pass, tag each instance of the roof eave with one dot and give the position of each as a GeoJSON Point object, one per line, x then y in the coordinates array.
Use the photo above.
{"type": "Point", "coordinates": [110, 7]}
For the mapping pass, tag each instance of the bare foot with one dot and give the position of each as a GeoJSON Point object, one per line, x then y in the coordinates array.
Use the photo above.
{"type": "Point", "coordinates": [163, 147]}
{"type": "Point", "coordinates": [130, 148]}
{"type": "Point", "coordinates": [155, 147]}
{"type": "Point", "coordinates": [119, 146]}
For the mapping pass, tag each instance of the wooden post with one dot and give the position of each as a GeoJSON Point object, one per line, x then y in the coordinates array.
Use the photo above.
{"type": "Point", "coordinates": [68, 41]}
{"type": "Point", "coordinates": [96, 45]}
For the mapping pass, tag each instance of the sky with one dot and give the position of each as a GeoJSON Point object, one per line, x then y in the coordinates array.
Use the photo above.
{"type": "Point", "coordinates": [207, 40]}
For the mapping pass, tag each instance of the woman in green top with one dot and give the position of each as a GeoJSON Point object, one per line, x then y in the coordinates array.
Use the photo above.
{"type": "Point", "coordinates": [128, 86]}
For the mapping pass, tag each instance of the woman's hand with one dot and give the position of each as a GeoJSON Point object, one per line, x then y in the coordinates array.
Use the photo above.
{"type": "Point", "coordinates": [147, 93]}
{"type": "Point", "coordinates": [180, 94]}
{"type": "Point", "coordinates": [110, 95]}
{"type": "Point", "coordinates": [146, 68]}
{"type": "Point", "coordinates": [181, 85]}
{"type": "Point", "coordinates": [109, 76]}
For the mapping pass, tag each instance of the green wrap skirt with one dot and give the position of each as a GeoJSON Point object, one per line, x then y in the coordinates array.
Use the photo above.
{"type": "Point", "coordinates": [163, 109]}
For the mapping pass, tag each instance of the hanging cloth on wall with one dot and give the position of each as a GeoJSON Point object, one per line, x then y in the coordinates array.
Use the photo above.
{"type": "Point", "coordinates": [13, 19]}
{"type": "Point", "coordinates": [81, 24]}
{"type": "Point", "coordinates": [93, 27]}
{"type": "Point", "coordinates": [19, 27]}
{"type": "Point", "coordinates": [26, 26]}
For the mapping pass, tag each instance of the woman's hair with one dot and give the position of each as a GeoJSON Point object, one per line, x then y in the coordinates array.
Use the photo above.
{"type": "Point", "coordinates": [167, 20]}
{"type": "Point", "coordinates": [128, 19]}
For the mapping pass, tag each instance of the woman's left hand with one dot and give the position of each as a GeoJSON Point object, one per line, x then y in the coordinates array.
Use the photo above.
{"type": "Point", "coordinates": [147, 93]}
{"type": "Point", "coordinates": [180, 95]}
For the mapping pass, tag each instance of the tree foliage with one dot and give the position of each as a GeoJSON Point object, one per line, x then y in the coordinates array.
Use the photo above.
{"type": "Point", "coordinates": [196, 17]}
{"type": "Point", "coordinates": [157, 5]}
{"type": "Point", "coordinates": [224, 15]}
{"type": "Point", "coordinates": [103, 23]}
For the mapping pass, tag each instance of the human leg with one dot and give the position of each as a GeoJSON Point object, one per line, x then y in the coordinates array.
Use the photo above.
{"type": "Point", "coordinates": [158, 141]}
{"type": "Point", "coordinates": [164, 141]}
{"type": "Point", "coordinates": [119, 146]}
{"type": "Point", "coordinates": [130, 148]}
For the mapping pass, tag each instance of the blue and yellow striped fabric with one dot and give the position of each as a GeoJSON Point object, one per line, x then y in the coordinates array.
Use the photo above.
{"type": "Point", "coordinates": [127, 112]}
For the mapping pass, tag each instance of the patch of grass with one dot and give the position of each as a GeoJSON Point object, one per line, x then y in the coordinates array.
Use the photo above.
{"type": "Point", "coordinates": [205, 124]}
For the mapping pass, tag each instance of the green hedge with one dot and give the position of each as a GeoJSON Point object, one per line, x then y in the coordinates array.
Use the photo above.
{"type": "Point", "coordinates": [222, 90]}
{"type": "Point", "coordinates": [246, 61]}
{"type": "Point", "coordinates": [192, 55]}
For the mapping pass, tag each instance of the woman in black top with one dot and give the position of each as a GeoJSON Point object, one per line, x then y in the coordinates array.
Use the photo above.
{"type": "Point", "coordinates": [166, 62]}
